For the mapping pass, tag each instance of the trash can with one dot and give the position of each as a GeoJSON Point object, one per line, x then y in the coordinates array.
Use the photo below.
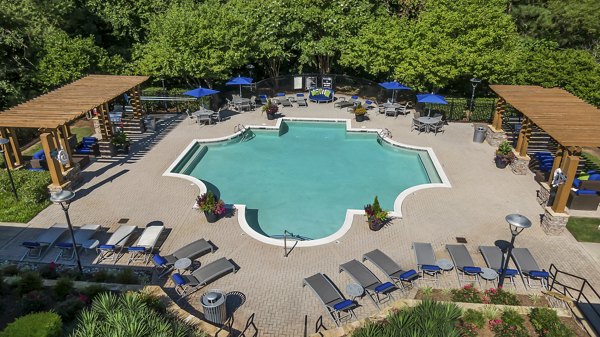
{"type": "Point", "coordinates": [150, 123]}
{"type": "Point", "coordinates": [479, 134]}
{"type": "Point", "coordinates": [214, 306]}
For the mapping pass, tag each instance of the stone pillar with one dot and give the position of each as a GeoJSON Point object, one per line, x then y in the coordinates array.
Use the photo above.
{"type": "Point", "coordinates": [520, 164]}
{"type": "Point", "coordinates": [494, 137]}
{"type": "Point", "coordinates": [543, 194]}
{"type": "Point", "coordinates": [554, 223]}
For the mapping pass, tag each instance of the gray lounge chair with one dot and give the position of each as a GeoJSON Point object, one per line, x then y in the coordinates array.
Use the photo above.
{"type": "Point", "coordinates": [494, 257]}
{"type": "Point", "coordinates": [37, 248]}
{"type": "Point", "coordinates": [370, 283]}
{"type": "Point", "coordinates": [81, 235]}
{"type": "Point", "coordinates": [144, 246]}
{"type": "Point", "coordinates": [331, 298]}
{"type": "Point", "coordinates": [284, 101]}
{"type": "Point", "coordinates": [111, 250]}
{"type": "Point", "coordinates": [164, 264]}
{"type": "Point", "coordinates": [343, 103]}
{"type": "Point", "coordinates": [301, 100]}
{"type": "Point", "coordinates": [393, 270]}
{"type": "Point", "coordinates": [426, 261]}
{"type": "Point", "coordinates": [188, 284]}
{"type": "Point", "coordinates": [466, 271]}
{"type": "Point", "coordinates": [529, 268]}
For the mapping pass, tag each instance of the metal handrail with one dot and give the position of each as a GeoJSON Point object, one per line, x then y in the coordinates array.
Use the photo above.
{"type": "Point", "coordinates": [285, 250]}
{"type": "Point", "coordinates": [249, 323]}
{"type": "Point", "coordinates": [385, 133]}
{"type": "Point", "coordinates": [566, 289]}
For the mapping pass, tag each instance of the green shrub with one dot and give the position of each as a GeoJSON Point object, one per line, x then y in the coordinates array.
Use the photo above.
{"type": "Point", "coordinates": [48, 271]}
{"type": "Point", "coordinates": [546, 323]}
{"type": "Point", "coordinates": [510, 324]}
{"type": "Point", "coordinates": [69, 308]}
{"type": "Point", "coordinates": [29, 281]}
{"type": "Point", "coordinates": [474, 316]}
{"type": "Point", "coordinates": [35, 301]}
{"type": "Point", "coordinates": [100, 276]}
{"type": "Point", "coordinates": [126, 276]}
{"type": "Point", "coordinates": [92, 291]}
{"type": "Point", "coordinates": [9, 270]}
{"type": "Point", "coordinates": [41, 324]}
{"type": "Point", "coordinates": [33, 195]}
{"type": "Point", "coordinates": [63, 287]}
{"type": "Point", "coordinates": [468, 294]}
{"type": "Point", "coordinates": [500, 296]}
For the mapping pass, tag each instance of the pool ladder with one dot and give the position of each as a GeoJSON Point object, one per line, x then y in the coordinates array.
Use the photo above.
{"type": "Point", "coordinates": [239, 128]}
{"type": "Point", "coordinates": [243, 132]}
{"type": "Point", "coordinates": [285, 236]}
{"type": "Point", "coordinates": [385, 133]}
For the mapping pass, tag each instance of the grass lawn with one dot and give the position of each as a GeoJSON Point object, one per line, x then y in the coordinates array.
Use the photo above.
{"type": "Point", "coordinates": [591, 158]}
{"type": "Point", "coordinates": [584, 229]}
{"type": "Point", "coordinates": [80, 132]}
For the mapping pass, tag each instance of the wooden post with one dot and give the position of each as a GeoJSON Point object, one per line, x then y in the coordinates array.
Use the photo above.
{"type": "Point", "coordinates": [569, 168]}
{"type": "Point", "coordinates": [57, 144]}
{"type": "Point", "coordinates": [54, 166]}
{"type": "Point", "coordinates": [558, 159]}
{"type": "Point", "coordinates": [15, 147]}
{"type": "Point", "coordinates": [136, 102]}
{"type": "Point", "coordinates": [500, 108]}
{"type": "Point", "coordinates": [524, 137]}
{"type": "Point", "coordinates": [64, 131]}
{"type": "Point", "coordinates": [103, 118]}
{"type": "Point", "coordinates": [107, 122]}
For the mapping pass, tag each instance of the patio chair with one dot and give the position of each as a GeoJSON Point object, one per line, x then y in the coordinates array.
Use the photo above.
{"type": "Point", "coordinates": [193, 250]}
{"type": "Point", "coordinates": [264, 99]}
{"type": "Point", "coordinates": [285, 102]}
{"type": "Point", "coordinates": [370, 283]}
{"type": "Point", "coordinates": [191, 117]}
{"type": "Point", "coordinates": [204, 118]}
{"type": "Point", "coordinates": [301, 100]}
{"type": "Point", "coordinates": [37, 247]}
{"type": "Point", "coordinates": [437, 127]}
{"type": "Point", "coordinates": [186, 285]}
{"type": "Point", "coordinates": [494, 257]}
{"type": "Point", "coordinates": [331, 298]}
{"type": "Point", "coordinates": [230, 104]}
{"type": "Point", "coordinates": [253, 102]}
{"type": "Point", "coordinates": [144, 246]}
{"type": "Point", "coordinates": [426, 261]}
{"type": "Point", "coordinates": [418, 125]}
{"type": "Point", "coordinates": [114, 245]}
{"type": "Point", "coordinates": [393, 271]}
{"type": "Point", "coordinates": [466, 271]}
{"type": "Point", "coordinates": [82, 234]}
{"type": "Point", "coordinates": [529, 268]}
{"type": "Point", "coordinates": [391, 112]}
{"type": "Point", "coordinates": [343, 103]}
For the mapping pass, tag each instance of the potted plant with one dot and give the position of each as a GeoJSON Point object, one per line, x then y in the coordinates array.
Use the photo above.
{"type": "Point", "coordinates": [271, 109]}
{"type": "Point", "coordinates": [504, 155]}
{"type": "Point", "coordinates": [121, 142]}
{"type": "Point", "coordinates": [211, 206]}
{"type": "Point", "coordinates": [376, 217]}
{"type": "Point", "coordinates": [359, 112]}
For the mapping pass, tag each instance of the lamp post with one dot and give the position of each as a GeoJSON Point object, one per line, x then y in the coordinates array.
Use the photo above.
{"type": "Point", "coordinates": [3, 142]}
{"type": "Point", "coordinates": [64, 198]}
{"type": "Point", "coordinates": [517, 223]}
{"type": "Point", "coordinates": [474, 83]}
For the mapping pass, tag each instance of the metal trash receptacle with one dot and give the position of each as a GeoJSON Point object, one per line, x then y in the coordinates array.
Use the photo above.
{"type": "Point", "coordinates": [214, 306]}
{"type": "Point", "coordinates": [479, 134]}
{"type": "Point", "coordinates": [150, 123]}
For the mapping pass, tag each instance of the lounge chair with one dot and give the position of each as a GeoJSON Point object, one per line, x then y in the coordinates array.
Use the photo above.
{"type": "Point", "coordinates": [466, 271]}
{"type": "Point", "coordinates": [284, 101]}
{"type": "Point", "coordinates": [264, 99]}
{"type": "Point", "coordinates": [343, 103]}
{"type": "Point", "coordinates": [164, 264]}
{"type": "Point", "coordinates": [144, 246]}
{"type": "Point", "coordinates": [114, 245]}
{"type": "Point", "coordinates": [301, 100]}
{"type": "Point", "coordinates": [370, 283]}
{"type": "Point", "coordinates": [426, 261]}
{"type": "Point", "coordinates": [529, 268]}
{"type": "Point", "coordinates": [37, 248]}
{"type": "Point", "coordinates": [186, 285]}
{"type": "Point", "coordinates": [393, 270]}
{"type": "Point", "coordinates": [494, 257]}
{"type": "Point", "coordinates": [331, 297]}
{"type": "Point", "coordinates": [82, 234]}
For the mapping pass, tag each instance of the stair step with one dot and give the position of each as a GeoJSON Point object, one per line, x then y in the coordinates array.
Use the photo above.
{"type": "Point", "coordinates": [591, 315]}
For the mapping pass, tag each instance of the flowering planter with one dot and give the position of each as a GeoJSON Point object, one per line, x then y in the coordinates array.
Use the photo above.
{"type": "Point", "coordinates": [501, 161]}
{"type": "Point", "coordinates": [360, 118]}
{"type": "Point", "coordinates": [270, 116]}
{"type": "Point", "coordinates": [375, 225]}
{"type": "Point", "coordinates": [211, 217]}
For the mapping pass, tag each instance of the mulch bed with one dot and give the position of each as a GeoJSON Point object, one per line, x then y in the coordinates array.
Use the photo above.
{"type": "Point", "coordinates": [445, 295]}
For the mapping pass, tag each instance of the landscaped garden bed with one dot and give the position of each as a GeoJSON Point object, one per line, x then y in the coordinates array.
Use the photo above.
{"type": "Point", "coordinates": [32, 189]}
{"type": "Point", "coordinates": [470, 294]}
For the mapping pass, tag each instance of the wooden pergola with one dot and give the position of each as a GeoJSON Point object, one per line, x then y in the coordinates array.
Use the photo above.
{"type": "Point", "coordinates": [52, 113]}
{"type": "Point", "coordinates": [572, 122]}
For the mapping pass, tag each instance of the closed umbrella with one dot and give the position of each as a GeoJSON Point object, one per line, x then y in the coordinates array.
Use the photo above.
{"type": "Point", "coordinates": [432, 99]}
{"type": "Point", "coordinates": [393, 85]}
{"type": "Point", "coordinates": [239, 80]}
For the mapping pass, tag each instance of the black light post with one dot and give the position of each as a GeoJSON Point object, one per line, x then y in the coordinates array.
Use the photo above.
{"type": "Point", "coordinates": [3, 142]}
{"type": "Point", "coordinates": [64, 198]}
{"type": "Point", "coordinates": [517, 223]}
{"type": "Point", "coordinates": [474, 83]}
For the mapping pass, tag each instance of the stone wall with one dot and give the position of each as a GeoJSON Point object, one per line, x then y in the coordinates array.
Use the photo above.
{"type": "Point", "coordinates": [494, 137]}
{"type": "Point", "coordinates": [554, 223]}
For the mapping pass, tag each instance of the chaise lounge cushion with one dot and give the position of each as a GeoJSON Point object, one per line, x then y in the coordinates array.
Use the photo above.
{"type": "Point", "coordinates": [539, 274]}
{"type": "Point", "coordinates": [383, 287]}
{"type": "Point", "coordinates": [343, 305]}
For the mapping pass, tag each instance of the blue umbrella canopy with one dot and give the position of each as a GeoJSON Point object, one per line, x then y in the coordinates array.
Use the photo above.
{"type": "Point", "coordinates": [431, 98]}
{"type": "Point", "coordinates": [200, 92]}
{"type": "Point", "coordinates": [394, 85]}
{"type": "Point", "coordinates": [239, 80]}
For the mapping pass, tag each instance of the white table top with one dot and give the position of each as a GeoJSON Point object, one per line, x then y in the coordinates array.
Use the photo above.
{"type": "Point", "coordinates": [428, 120]}
{"type": "Point", "coordinates": [240, 100]}
{"type": "Point", "coordinates": [184, 263]}
{"type": "Point", "coordinates": [391, 105]}
{"type": "Point", "coordinates": [445, 264]}
{"type": "Point", "coordinates": [488, 274]}
{"type": "Point", "coordinates": [354, 290]}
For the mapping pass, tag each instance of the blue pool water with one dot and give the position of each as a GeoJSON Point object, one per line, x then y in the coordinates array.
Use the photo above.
{"type": "Point", "coordinates": [304, 177]}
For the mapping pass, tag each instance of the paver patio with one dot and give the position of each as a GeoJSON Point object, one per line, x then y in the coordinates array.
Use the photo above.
{"type": "Point", "coordinates": [481, 196]}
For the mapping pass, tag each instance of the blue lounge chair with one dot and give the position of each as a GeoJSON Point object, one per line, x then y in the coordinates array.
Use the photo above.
{"type": "Point", "coordinates": [67, 251]}
{"type": "Point", "coordinates": [164, 264]}
{"type": "Point", "coordinates": [529, 268]}
{"type": "Point", "coordinates": [37, 247]}
{"type": "Point", "coordinates": [493, 257]}
{"type": "Point", "coordinates": [426, 261]}
{"type": "Point", "coordinates": [144, 246]}
{"type": "Point", "coordinates": [464, 263]}
{"type": "Point", "coordinates": [370, 283]}
{"type": "Point", "coordinates": [185, 285]}
{"type": "Point", "coordinates": [331, 298]}
{"type": "Point", "coordinates": [111, 250]}
{"type": "Point", "coordinates": [392, 269]}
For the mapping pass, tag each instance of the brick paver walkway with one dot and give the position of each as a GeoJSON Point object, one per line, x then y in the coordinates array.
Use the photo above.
{"type": "Point", "coordinates": [474, 208]}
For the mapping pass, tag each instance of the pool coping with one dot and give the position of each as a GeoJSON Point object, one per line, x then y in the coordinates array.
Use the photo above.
{"type": "Point", "coordinates": [350, 213]}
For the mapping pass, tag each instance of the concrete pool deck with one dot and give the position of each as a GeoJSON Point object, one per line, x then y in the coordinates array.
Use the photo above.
{"type": "Point", "coordinates": [481, 196]}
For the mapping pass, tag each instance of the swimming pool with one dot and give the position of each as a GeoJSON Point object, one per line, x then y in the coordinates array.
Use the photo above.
{"type": "Point", "coordinates": [304, 176]}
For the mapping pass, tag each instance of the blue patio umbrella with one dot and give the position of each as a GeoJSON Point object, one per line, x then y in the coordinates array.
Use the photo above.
{"type": "Point", "coordinates": [239, 80]}
{"type": "Point", "coordinates": [432, 99]}
{"type": "Point", "coordinates": [200, 92]}
{"type": "Point", "coordinates": [394, 85]}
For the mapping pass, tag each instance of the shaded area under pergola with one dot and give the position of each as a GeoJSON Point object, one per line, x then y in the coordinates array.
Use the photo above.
{"type": "Point", "coordinates": [572, 122]}
{"type": "Point", "coordinates": [52, 113]}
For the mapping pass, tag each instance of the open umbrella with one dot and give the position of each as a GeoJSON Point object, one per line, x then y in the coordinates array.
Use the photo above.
{"type": "Point", "coordinates": [200, 92]}
{"type": "Point", "coordinates": [432, 99]}
{"type": "Point", "coordinates": [394, 86]}
{"type": "Point", "coordinates": [239, 80]}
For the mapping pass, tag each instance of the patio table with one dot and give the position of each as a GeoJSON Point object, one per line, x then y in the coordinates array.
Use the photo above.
{"type": "Point", "coordinates": [428, 121]}
{"type": "Point", "coordinates": [391, 105]}
{"type": "Point", "coordinates": [204, 115]}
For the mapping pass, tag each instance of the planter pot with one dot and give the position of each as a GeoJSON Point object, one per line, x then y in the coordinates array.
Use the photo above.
{"type": "Point", "coordinates": [375, 225]}
{"type": "Point", "coordinates": [270, 117]}
{"type": "Point", "coordinates": [211, 217]}
{"type": "Point", "coordinates": [360, 118]}
{"type": "Point", "coordinates": [501, 162]}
